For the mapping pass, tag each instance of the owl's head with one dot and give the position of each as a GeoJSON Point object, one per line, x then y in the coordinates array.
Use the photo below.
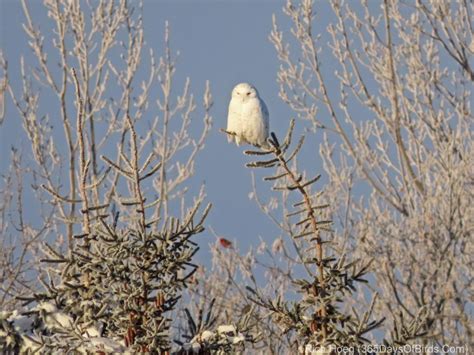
{"type": "Point", "coordinates": [243, 91]}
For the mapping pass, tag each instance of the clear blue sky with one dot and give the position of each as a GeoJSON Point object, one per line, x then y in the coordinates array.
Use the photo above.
{"type": "Point", "coordinates": [225, 42]}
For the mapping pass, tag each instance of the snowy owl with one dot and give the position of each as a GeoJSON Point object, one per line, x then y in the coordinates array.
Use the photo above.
{"type": "Point", "coordinates": [247, 120]}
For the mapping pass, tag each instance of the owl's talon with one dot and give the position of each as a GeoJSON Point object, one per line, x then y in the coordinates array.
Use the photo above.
{"type": "Point", "coordinates": [228, 132]}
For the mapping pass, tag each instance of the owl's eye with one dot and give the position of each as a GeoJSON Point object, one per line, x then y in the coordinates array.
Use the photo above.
{"type": "Point", "coordinates": [248, 94]}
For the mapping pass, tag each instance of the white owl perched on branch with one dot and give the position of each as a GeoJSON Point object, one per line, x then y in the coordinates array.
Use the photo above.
{"type": "Point", "coordinates": [248, 119]}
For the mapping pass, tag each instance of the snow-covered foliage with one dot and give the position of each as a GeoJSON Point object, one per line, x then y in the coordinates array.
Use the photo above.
{"type": "Point", "coordinates": [225, 338]}
{"type": "Point", "coordinates": [46, 327]}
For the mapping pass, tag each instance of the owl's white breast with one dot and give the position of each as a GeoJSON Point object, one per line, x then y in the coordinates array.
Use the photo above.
{"type": "Point", "coordinates": [253, 118]}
